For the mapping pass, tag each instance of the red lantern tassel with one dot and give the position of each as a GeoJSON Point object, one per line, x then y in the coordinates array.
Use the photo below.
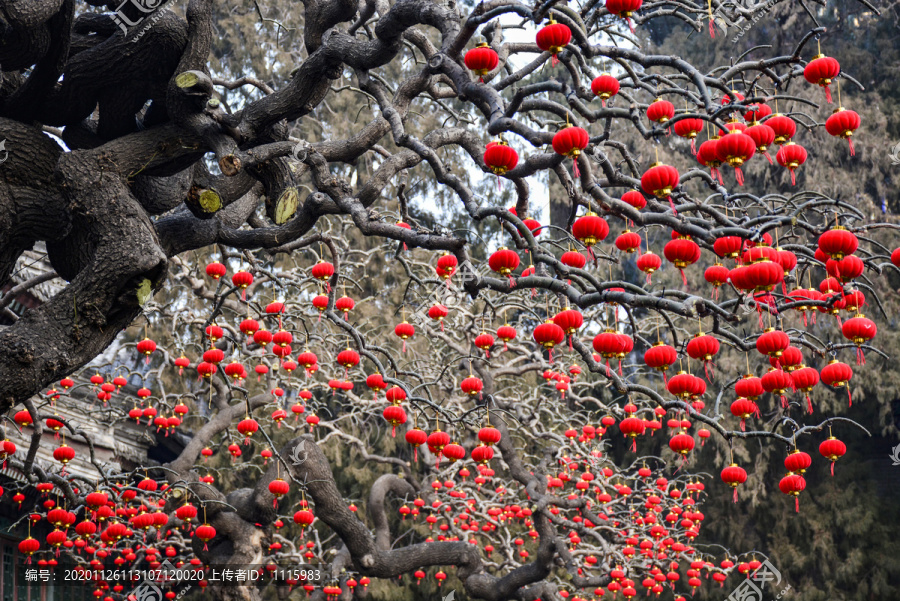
{"type": "Point", "coordinates": [832, 469]}
{"type": "Point", "coordinates": [633, 444]}
{"type": "Point", "coordinates": [620, 367]}
{"type": "Point", "coordinates": [442, 325]}
{"type": "Point", "coordinates": [742, 425]}
{"type": "Point", "coordinates": [404, 346]}
{"type": "Point", "coordinates": [793, 178]}
{"type": "Point", "coordinates": [393, 431]}
{"type": "Point", "coordinates": [797, 504]}
{"type": "Point", "coordinates": [683, 277]}
{"type": "Point", "coordinates": [672, 204]}
{"type": "Point", "coordinates": [768, 157]}
{"type": "Point", "coordinates": [827, 94]}
{"type": "Point", "coordinates": [739, 175]}
{"type": "Point", "coordinates": [693, 147]}
{"type": "Point", "coordinates": [735, 501]}
{"type": "Point", "coordinates": [712, 34]}
{"type": "Point", "coordinates": [850, 398]}
{"type": "Point", "coordinates": [809, 408]}
{"type": "Point", "coordinates": [852, 152]}
{"type": "Point", "coordinates": [512, 281]}
{"type": "Point", "coordinates": [575, 168]}
{"type": "Point", "coordinates": [630, 24]}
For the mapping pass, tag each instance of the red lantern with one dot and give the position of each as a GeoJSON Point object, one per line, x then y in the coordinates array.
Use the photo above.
{"type": "Point", "coordinates": [485, 341]}
{"type": "Point", "coordinates": [734, 476]}
{"type": "Point", "coordinates": [805, 379]}
{"type": "Point", "coordinates": [707, 156]}
{"type": "Point", "coordinates": [842, 123]}
{"type": "Point", "coordinates": [777, 381]}
{"type": "Point", "coordinates": [242, 279]}
{"type": "Point", "coordinates": [404, 331]}
{"type": "Point", "coordinates": [574, 259]}
{"type": "Point", "coordinates": [846, 269]}
{"type": "Point", "coordinates": [215, 270]}
{"type": "Point", "coordinates": [791, 156]}
{"type": "Point", "coordinates": [605, 87]}
{"type": "Point", "coordinates": [624, 9]}
{"type": "Point", "coordinates": [29, 547]}
{"type": "Point", "coordinates": [859, 330]}
{"type": "Point", "coordinates": [635, 199]}
{"type": "Point", "coordinates": [837, 374]}
{"type": "Point", "coordinates": [438, 312]}
{"type": "Point", "coordinates": [499, 157]}
{"type": "Point", "coordinates": [688, 129]}
{"type": "Point", "coordinates": [506, 333]}
{"type": "Point", "coordinates": [482, 60]}
{"type": "Point", "coordinates": [758, 111]}
{"type": "Point", "coordinates": [633, 427]}
{"type": "Point", "coordinates": [628, 242]}
{"type": "Point", "coordinates": [322, 271]}
{"type": "Point", "coordinates": [660, 357]}
{"type": "Point", "coordinates": [590, 229]}
{"type": "Point", "coordinates": [793, 484]}
{"type": "Point", "coordinates": [783, 126]}
{"type": "Point", "coordinates": [832, 449]}
{"type": "Point", "coordinates": [820, 71]}
{"type": "Point", "coordinates": [797, 462]}
{"type": "Point", "coordinates": [837, 243]}
{"type": "Point", "coordinates": [772, 342]}
{"type": "Point", "coordinates": [395, 416]}
{"type": "Point", "coordinates": [660, 111]}
{"type": "Point", "coordinates": [553, 38]}
{"type": "Point", "coordinates": [64, 454]}
{"type": "Point", "coordinates": [763, 136]}
{"type": "Point", "coordinates": [717, 275]}
{"type": "Point", "coordinates": [703, 347]}
{"type": "Point", "coordinates": [609, 344]}
{"type": "Point", "coordinates": [205, 533]}
{"type": "Point", "coordinates": [682, 252]}
{"type": "Point", "coordinates": [344, 304]}
{"type": "Point", "coordinates": [416, 438]}
{"type": "Point", "coordinates": [446, 266]}
{"type": "Point", "coordinates": [247, 427]}
{"type": "Point", "coordinates": [533, 225]}
{"type": "Point", "coordinates": [504, 262]}
{"type": "Point", "coordinates": [744, 408]}
{"type": "Point", "coordinates": [682, 444]}
{"type": "Point", "coordinates": [684, 386]}
{"type": "Point", "coordinates": [569, 142]}
{"type": "Point", "coordinates": [548, 335]}
{"type": "Point", "coordinates": [659, 180]}
{"type": "Point", "coordinates": [649, 263]}
{"type": "Point", "coordinates": [736, 148]}
{"type": "Point", "coordinates": [437, 440]}
{"type": "Point", "coordinates": [146, 347]}
{"type": "Point", "coordinates": [278, 488]}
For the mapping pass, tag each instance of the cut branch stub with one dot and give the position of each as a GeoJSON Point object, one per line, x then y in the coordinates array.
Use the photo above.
{"type": "Point", "coordinates": [203, 202]}
{"type": "Point", "coordinates": [230, 165]}
{"type": "Point", "coordinates": [195, 83]}
{"type": "Point", "coordinates": [284, 207]}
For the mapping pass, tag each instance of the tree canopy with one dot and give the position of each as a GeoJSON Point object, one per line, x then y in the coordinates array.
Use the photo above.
{"type": "Point", "coordinates": [419, 294]}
